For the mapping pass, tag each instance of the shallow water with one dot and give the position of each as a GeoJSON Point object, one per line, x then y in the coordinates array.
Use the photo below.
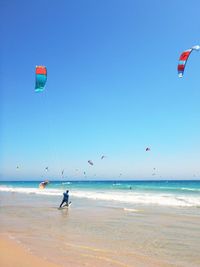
{"type": "Point", "coordinates": [162, 193]}
{"type": "Point", "coordinates": [108, 232]}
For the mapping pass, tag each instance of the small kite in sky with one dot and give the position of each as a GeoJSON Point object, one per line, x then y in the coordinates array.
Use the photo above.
{"type": "Point", "coordinates": [40, 78]}
{"type": "Point", "coordinates": [90, 162]}
{"type": "Point", "coordinates": [47, 169]}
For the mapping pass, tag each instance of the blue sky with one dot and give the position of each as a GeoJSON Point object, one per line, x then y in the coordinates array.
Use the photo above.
{"type": "Point", "coordinates": [112, 89]}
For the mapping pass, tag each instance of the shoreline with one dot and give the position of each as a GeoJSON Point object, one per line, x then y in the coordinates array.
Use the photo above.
{"type": "Point", "coordinates": [95, 234]}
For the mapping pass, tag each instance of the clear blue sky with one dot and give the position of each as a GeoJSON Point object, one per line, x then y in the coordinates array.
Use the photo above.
{"type": "Point", "coordinates": [112, 89]}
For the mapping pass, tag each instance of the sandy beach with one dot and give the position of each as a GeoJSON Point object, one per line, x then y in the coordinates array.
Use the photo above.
{"type": "Point", "coordinates": [14, 255]}
{"type": "Point", "coordinates": [95, 233]}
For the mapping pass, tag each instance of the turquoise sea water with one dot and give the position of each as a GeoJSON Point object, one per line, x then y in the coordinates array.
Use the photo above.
{"type": "Point", "coordinates": [169, 193]}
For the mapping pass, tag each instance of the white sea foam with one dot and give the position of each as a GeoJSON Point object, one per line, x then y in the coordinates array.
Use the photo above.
{"type": "Point", "coordinates": [29, 190]}
{"type": "Point", "coordinates": [191, 189]}
{"type": "Point", "coordinates": [164, 199]}
{"type": "Point", "coordinates": [141, 198]}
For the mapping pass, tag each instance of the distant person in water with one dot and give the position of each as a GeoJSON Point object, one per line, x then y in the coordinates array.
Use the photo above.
{"type": "Point", "coordinates": [65, 199]}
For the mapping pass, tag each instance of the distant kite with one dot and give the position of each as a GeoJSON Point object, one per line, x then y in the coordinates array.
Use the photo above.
{"type": "Point", "coordinates": [40, 78]}
{"type": "Point", "coordinates": [47, 169]}
{"type": "Point", "coordinates": [148, 149]}
{"type": "Point", "coordinates": [183, 59]}
{"type": "Point", "coordinates": [62, 172]}
{"type": "Point", "coordinates": [102, 157]}
{"type": "Point", "coordinates": [90, 162]}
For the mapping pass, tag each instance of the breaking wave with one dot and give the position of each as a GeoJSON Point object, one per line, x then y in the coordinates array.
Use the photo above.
{"type": "Point", "coordinates": [161, 198]}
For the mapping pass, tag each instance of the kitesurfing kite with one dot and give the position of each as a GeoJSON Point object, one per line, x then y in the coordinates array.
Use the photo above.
{"type": "Point", "coordinates": [40, 78]}
{"type": "Point", "coordinates": [47, 169]}
{"type": "Point", "coordinates": [148, 149]}
{"type": "Point", "coordinates": [184, 58]}
{"type": "Point", "coordinates": [102, 157]}
{"type": "Point", "coordinates": [90, 162]}
{"type": "Point", "coordinates": [42, 185]}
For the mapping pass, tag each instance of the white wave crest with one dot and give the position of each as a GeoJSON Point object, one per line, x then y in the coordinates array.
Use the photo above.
{"type": "Point", "coordinates": [163, 199]}
{"type": "Point", "coordinates": [29, 190]}
{"type": "Point", "coordinates": [141, 198]}
{"type": "Point", "coordinates": [190, 189]}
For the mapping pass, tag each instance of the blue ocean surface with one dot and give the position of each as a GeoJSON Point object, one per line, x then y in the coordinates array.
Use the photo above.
{"type": "Point", "coordinates": [170, 193]}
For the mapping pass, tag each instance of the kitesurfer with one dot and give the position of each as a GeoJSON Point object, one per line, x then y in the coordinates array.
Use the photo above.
{"type": "Point", "coordinates": [65, 198]}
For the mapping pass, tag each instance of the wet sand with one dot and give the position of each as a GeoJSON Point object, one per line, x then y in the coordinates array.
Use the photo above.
{"type": "Point", "coordinates": [14, 255]}
{"type": "Point", "coordinates": [95, 234]}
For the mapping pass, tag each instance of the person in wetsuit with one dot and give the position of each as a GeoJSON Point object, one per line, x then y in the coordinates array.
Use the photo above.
{"type": "Point", "coordinates": [65, 198]}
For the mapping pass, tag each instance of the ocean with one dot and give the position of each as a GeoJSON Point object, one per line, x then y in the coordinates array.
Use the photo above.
{"type": "Point", "coordinates": [164, 193]}
{"type": "Point", "coordinates": [110, 223]}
